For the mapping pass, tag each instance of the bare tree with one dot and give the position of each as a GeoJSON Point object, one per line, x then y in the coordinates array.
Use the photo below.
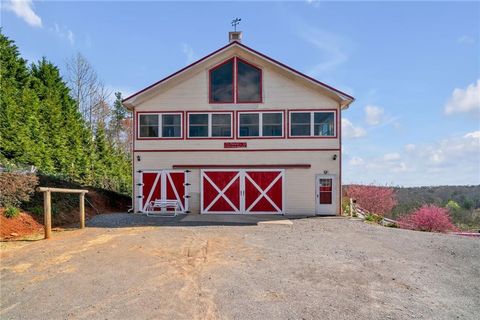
{"type": "Point", "coordinates": [88, 90]}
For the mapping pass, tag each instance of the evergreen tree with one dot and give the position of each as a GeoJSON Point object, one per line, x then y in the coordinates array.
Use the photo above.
{"type": "Point", "coordinates": [40, 124]}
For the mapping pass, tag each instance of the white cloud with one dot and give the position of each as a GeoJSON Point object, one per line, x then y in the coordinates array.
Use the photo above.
{"type": "Point", "coordinates": [356, 161]}
{"type": "Point", "coordinates": [70, 37]}
{"type": "Point", "coordinates": [331, 49]}
{"type": "Point", "coordinates": [410, 147]}
{"type": "Point", "coordinates": [466, 39]}
{"type": "Point", "coordinates": [473, 135]}
{"type": "Point", "coordinates": [315, 3]}
{"type": "Point", "coordinates": [189, 53]}
{"type": "Point", "coordinates": [450, 161]}
{"type": "Point", "coordinates": [391, 156]}
{"type": "Point", "coordinates": [464, 100]}
{"type": "Point", "coordinates": [24, 9]}
{"type": "Point", "coordinates": [351, 131]}
{"type": "Point", "coordinates": [64, 33]}
{"type": "Point", "coordinates": [373, 114]}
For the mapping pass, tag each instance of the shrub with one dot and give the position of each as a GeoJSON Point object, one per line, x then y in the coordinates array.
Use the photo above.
{"type": "Point", "coordinates": [375, 199]}
{"type": "Point", "coordinates": [11, 212]}
{"type": "Point", "coordinates": [373, 218]}
{"type": "Point", "coordinates": [428, 218]}
{"type": "Point", "coordinates": [16, 188]}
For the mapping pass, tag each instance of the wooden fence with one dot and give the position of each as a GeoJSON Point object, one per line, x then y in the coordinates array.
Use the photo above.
{"type": "Point", "coordinates": [47, 206]}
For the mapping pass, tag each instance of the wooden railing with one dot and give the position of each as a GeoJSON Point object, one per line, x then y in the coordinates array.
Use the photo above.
{"type": "Point", "coordinates": [356, 210]}
{"type": "Point", "coordinates": [47, 206]}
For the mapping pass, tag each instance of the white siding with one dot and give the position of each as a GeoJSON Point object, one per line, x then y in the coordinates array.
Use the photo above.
{"type": "Point", "coordinates": [299, 183]}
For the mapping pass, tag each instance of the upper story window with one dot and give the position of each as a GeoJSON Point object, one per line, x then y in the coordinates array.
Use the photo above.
{"type": "Point", "coordinates": [210, 125]}
{"type": "Point", "coordinates": [260, 124]}
{"type": "Point", "coordinates": [221, 83]}
{"type": "Point", "coordinates": [160, 125]}
{"type": "Point", "coordinates": [312, 124]}
{"type": "Point", "coordinates": [239, 74]}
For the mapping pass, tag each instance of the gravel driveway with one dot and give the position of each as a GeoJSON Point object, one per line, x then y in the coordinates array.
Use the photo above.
{"type": "Point", "coordinates": [128, 267]}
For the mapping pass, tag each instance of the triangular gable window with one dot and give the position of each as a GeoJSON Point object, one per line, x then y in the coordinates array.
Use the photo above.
{"type": "Point", "coordinates": [235, 81]}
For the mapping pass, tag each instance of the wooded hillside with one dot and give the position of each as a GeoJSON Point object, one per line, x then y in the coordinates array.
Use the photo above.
{"type": "Point", "coordinates": [42, 123]}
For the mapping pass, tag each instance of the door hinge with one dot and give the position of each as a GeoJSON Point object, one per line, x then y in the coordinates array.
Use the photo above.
{"type": "Point", "coordinates": [187, 171]}
{"type": "Point", "coordinates": [140, 184]}
{"type": "Point", "coordinates": [188, 211]}
{"type": "Point", "coordinates": [186, 184]}
{"type": "Point", "coordinates": [139, 171]}
{"type": "Point", "coordinates": [140, 197]}
{"type": "Point", "coordinates": [186, 196]}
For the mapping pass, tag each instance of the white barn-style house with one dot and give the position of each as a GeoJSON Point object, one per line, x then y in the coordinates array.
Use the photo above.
{"type": "Point", "coordinates": [237, 132]}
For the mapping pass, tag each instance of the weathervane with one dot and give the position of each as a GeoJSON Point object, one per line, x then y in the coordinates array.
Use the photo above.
{"type": "Point", "coordinates": [235, 23]}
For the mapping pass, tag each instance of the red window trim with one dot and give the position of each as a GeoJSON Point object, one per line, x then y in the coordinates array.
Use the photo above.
{"type": "Point", "coordinates": [234, 83]}
{"type": "Point", "coordinates": [187, 122]}
{"type": "Point", "coordinates": [218, 166]}
{"type": "Point", "coordinates": [235, 150]}
{"type": "Point", "coordinates": [336, 123]}
{"type": "Point", "coordinates": [137, 129]}
{"type": "Point", "coordinates": [284, 123]}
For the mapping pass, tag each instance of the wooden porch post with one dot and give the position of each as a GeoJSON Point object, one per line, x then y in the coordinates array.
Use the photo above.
{"type": "Point", "coordinates": [47, 214]}
{"type": "Point", "coordinates": [82, 210]}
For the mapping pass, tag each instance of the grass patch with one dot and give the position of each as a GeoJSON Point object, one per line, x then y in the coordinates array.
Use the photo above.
{"type": "Point", "coordinates": [11, 212]}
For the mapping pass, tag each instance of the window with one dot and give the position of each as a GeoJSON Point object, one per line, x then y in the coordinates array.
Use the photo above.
{"type": "Point", "coordinates": [210, 125]}
{"type": "Point", "coordinates": [198, 125]}
{"type": "Point", "coordinates": [221, 125]}
{"type": "Point", "coordinates": [249, 125]}
{"type": "Point", "coordinates": [300, 124]}
{"type": "Point", "coordinates": [171, 126]}
{"type": "Point", "coordinates": [167, 125]}
{"type": "Point", "coordinates": [235, 73]}
{"type": "Point", "coordinates": [221, 83]}
{"type": "Point", "coordinates": [260, 124]}
{"type": "Point", "coordinates": [323, 124]}
{"type": "Point", "coordinates": [312, 124]}
{"type": "Point", "coordinates": [148, 125]}
{"type": "Point", "coordinates": [272, 124]}
{"type": "Point", "coordinates": [248, 82]}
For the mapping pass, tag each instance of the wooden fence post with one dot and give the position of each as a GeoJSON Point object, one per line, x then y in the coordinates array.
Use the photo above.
{"type": "Point", "coordinates": [351, 207]}
{"type": "Point", "coordinates": [82, 210]}
{"type": "Point", "coordinates": [47, 214]}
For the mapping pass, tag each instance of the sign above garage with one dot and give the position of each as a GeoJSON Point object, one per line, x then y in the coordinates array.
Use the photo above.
{"type": "Point", "coordinates": [235, 145]}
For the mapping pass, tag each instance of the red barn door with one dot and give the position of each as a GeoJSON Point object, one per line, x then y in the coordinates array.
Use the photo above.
{"type": "Point", "coordinates": [220, 191]}
{"type": "Point", "coordinates": [163, 185]}
{"type": "Point", "coordinates": [242, 191]}
{"type": "Point", "coordinates": [264, 191]}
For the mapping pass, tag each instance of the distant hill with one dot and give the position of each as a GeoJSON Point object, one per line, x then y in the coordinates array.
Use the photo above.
{"type": "Point", "coordinates": [467, 197]}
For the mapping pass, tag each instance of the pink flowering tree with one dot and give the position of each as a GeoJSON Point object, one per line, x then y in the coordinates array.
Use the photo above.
{"type": "Point", "coordinates": [428, 218]}
{"type": "Point", "coordinates": [374, 199]}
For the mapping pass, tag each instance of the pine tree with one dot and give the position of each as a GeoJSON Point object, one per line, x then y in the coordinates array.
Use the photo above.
{"type": "Point", "coordinates": [13, 77]}
{"type": "Point", "coordinates": [41, 124]}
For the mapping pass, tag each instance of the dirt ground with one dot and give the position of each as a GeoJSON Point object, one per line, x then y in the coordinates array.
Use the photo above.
{"type": "Point", "coordinates": [130, 267]}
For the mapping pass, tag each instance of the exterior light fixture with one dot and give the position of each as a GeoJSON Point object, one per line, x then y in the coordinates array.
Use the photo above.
{"type": "Point", "coordinates": [325, 171]}
{"type": "Point", "coordinates": [334, 157]}
{"type": "Point", "coordinates": [138, 158]}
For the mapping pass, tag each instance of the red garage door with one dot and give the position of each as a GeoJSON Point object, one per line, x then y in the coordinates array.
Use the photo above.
{"type": "Point", "coordinates": [242, 191]}
{"type": "Point", "coordinates": [162, 185]}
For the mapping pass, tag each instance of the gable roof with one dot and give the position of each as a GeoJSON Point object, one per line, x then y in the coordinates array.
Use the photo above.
{"type": "Point", "coordinates": [344, 97]}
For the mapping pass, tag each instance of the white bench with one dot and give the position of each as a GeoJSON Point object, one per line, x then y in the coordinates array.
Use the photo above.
{"type": "Point", "coordinates": [162, 204]}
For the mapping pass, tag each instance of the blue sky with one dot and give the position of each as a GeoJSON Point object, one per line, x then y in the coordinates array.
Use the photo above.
{"type": "Point", "coordinates": [414, 67]}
